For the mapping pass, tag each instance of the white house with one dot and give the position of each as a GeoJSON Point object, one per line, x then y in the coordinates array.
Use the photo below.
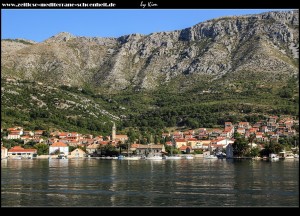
{"type": "Point", "coordinates": [222, 142]}
{"type": "Point", "coordinates": [19, 152]}
{"type": "Point", "coordinates": [62, 147]}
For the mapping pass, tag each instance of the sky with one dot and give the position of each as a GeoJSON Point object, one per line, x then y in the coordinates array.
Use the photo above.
{"type": "Point", "coordinates": [40, 24]}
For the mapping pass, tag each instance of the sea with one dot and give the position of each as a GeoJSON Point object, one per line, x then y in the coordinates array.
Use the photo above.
{"type": "Point", "coordinates": [145, 183]}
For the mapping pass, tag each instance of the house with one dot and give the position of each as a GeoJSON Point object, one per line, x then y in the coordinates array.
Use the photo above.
{"type": "Point", "coordinates": [188, 136]}
{"type": "Point", "coordinates": [121, 137]}
{"type": "Point", "coordinates": [177, 135]}
{"type": "Point", "coordinates": [28, 133]}
{"type": "Point", "coordinates": [185, 149]}
{"type": "Point", "coordinates": [69, 136]}
{"type": "Point", "coordinates": [204, 144]}
{"type": "Point", "coordinates": [38, 133]}
{"type": "Point", "coordinates": [169, 143]}
{"type": "Point", "coordinates": [134, 146]}
{"type": "Point", "coordinates": [199, 144]}
{"type": "Point", "coordinates": [180, 142]}
{"type": "Point", "coordinates": [259, 136]}
{"type": "Point", "coordinates": [3, 152]}
{"type": "Point", "coordinates": [228, 124]}
{"type": "Point", "coordinates": [272, 126]}
{"type": "Point", "coordinates": [19, 152]}
{"type": "Point", "coordinates": [93, 148]}
{"type": "Point", "coordinates": [145, 149]}
{"type": "Point", "coordinates": [13, 136]}
{"type": "Point", "coordinates": [222, 142]}
{"type": "Point", "coordinates": [26, 139]}
{"type": "Point", "coordinates": [77, 153]}
{"type": "Point", "coordinates": [241, 131]}
{"type": "Point", "coordinates": [264, 129]}
{"type": "Point", "coordinates": [272, 119]}
{"type": "Point", "coordinates": [245, 125]}
{"type": "Point", "coordinates": [192, 142]}
{"type": "Point", "coordinates": [189, 132]}
{"type": "Point", "coordinates": [62, 135]}
{"type": "Point", "coordinates": [59, 147]}
{"type": "Point", "coordinates": [215, 132]}
{"type": "Point", "coordinates": [51, 141]}
{"type": "Point", "coordinates": [14, 129]}
{"type": "Point", "coordinates": [202, 133]}
{"type": "Point", "coordinates": [228, 132]}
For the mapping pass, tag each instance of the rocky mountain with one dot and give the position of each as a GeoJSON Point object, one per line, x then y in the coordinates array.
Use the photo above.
{"type": "Point", "coordinates": [266, 44]}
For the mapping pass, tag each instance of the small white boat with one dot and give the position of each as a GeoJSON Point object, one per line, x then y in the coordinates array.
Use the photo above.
{"type": "Point", "coordinates": [132, 158]}
{"type": "Point", "coordinates": [289, 156]}
{"type": "Point", "coordinates": [189, 157]}
{"type": "Point", "coordinates": [172, 157]}
{"type": "Point", "coordinates": [61, 156]}
{"type": "Point", "coordinates": [210, 157]}
{"type": "Point", "coordinates": [273, 157]}
{"type": "Point", "coordinates": [154, 157]}
{"type": "Point", "coordinates": [16, 158]}
{"type": "Point", "coordinates": [296, 156]}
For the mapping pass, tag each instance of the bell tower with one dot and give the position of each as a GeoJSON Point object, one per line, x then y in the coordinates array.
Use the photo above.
{"type": "Point", "coordinates": [113, 133]}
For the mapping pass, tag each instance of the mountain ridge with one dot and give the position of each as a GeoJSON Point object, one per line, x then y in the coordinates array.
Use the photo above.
{"type": "Point", "coordinates": [266, 43]}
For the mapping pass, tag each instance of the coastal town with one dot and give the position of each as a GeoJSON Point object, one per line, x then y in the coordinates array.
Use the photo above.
{"type": "Point", "coordinates": [201, 142]}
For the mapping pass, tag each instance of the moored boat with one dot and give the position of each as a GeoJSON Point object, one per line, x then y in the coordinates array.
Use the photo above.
{"type": "Point", "coordinates": [172, 157]}
{"type": "Point", "coordinates": [210, 157]}
{"type": "Point", "coordinates": [189, 157]}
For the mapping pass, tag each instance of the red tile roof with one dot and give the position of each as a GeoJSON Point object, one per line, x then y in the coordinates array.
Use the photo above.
{"type": "Point", "coordinates": [59, 144]}
{"type": "Point", "coordinates": [20, 149]}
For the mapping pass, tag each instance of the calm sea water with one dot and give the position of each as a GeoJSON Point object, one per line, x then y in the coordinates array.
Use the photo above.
{"type": "Point", "coordinates": [192, 183]}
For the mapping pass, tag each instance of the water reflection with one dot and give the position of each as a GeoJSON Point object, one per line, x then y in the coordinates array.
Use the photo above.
{"type": "Point", "coordinates": [196, 182]}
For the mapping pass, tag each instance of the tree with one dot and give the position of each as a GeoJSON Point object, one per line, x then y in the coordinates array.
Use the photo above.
{"type": "Point", "coordinates": [56, 152]}
{"type": "Point", "coordinates": [240, 147]}
{"type": "Point", "coordinates": [121, 146]}
{"type": "Point", "coordinates": [271, 147]}
{"type": "Point", "coordinates": [29, 144]}
{"type": "Point", "coordinates": [236, 135]}
{"type": "Point", "coordinates": [46, 133]}
{"type": "Point", "coordinates": [72, 148]}
{"type": "Point", "coordinates": [254, 152]}
{"type": "Point", "coordinates": [42, 149]}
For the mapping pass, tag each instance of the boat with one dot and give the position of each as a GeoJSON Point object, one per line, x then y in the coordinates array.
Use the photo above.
{"type": "Point", "coordinates": [61, 156]}
{"type": "Point", "coordinates": [189, 157]}
{"type": "Point", "coordinates": [210, 157]}
{"type": "Point", "coordinates": [121, 157]}
{"type": "Point", "coordinates": [221, 155]}
{"type": "Point", "coordinates": [154, 157]}
{"type": "Point", "coordinates": [273, 157]}
{"type": "Point", "coordinates": [296, 156]}
{"type": "Point", "coordinates": [132, 158]}
{"type": "Point", "coordinates": [289, 156]}
{"type": "Point", "coordinates": [172, 157]}
{"type": "Point", "coordinates": [16, 158]}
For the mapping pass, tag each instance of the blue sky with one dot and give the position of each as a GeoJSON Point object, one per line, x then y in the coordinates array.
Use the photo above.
{"type": "Point", "coordinates": [40, 24]}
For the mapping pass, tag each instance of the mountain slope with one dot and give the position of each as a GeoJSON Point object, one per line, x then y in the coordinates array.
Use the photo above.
{"type": "Point", "coordinates": [227, 69]}
{"type": "Point", "coordinates": [267, 43]}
